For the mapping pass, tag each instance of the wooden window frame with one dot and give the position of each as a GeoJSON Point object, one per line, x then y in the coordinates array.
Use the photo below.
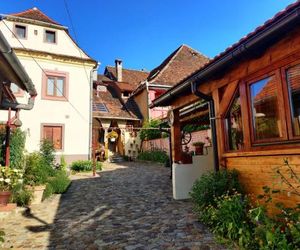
{"type": "Point", "coordinates": [287, 97]}
{"type": "Point", "coordinates": [55, 74]}
{"type": "Point", "coordinates": [15, 31]}
{"type": "Point", "coordinates": [45, 36]}
{"type": "Point", "coordinates": [43, 125]}
{"type": "Point", "coordinates": [280, 100]}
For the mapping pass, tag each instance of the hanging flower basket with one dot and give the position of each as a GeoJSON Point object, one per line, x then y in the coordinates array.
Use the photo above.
{"type": "Point", "coordinates": [112, 136]}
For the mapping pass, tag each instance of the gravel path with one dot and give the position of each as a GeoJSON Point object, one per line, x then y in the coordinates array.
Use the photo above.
{"type": "Point", "coordinates": [129, 206]}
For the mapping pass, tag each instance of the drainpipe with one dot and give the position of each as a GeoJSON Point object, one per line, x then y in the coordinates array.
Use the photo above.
{"type": "Point", "coordinates": [212, 119]}
{"type": "Point", "coordinates": [95, 69]}
{"type": "Point", "coordinates": [17, 106]}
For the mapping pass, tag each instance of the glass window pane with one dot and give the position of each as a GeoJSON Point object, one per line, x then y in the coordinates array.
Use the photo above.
{"type": "Point", "coordinates": [20, 31]}
{"type": "Point", "coordinates": [293, 79]}
{"type": "Point", "coordinates": [265, 112]}
{"type": "Point", "coordinates": [50, 86]}
{"type": "Point", "coordinates": [50, 36]}
{"type": "Point", "coordinates": [234, 125]}
{"type": "Point", "coordinates": [59, 86]}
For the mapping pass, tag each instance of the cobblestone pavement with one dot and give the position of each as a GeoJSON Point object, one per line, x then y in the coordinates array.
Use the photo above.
{"type": "Point", "coordinates": [129, 206]}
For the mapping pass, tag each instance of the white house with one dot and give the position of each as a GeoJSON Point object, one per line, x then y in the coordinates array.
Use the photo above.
{"type": "Point", "coordinates": [62, 73]}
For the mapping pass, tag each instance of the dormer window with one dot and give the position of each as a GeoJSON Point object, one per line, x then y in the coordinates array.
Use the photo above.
{"type": "Point", "coordinates": [50, 36]}
{"type": "Point", "coordinates": [20, 31]}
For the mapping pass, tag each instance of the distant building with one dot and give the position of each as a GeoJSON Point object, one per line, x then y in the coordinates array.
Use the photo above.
{"type": "Point", "coordinates": [62, 73]}
{"type": "Point", "coordinates": [178, 65]}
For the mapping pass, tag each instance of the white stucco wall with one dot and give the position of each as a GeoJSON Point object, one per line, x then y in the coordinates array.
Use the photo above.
{"type": "Point", "coordinates": [72, 114]}
{"type": "Point", "coordinates": [35, 40]}
{"type": "Point", "coordinates": [184, 175]}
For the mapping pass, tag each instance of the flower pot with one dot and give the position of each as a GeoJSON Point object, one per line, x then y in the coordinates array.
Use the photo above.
{"type": "Point", "coordinates": [37, 192]}
{"type": "Point", "coordinates": [4, 197]}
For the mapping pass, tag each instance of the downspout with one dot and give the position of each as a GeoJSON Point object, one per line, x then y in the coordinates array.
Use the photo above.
{"type": "Point", "coordinates": [16, 106]}
{"type": "Point", "coordinates": [148, 103]}
{"type": "Point", "coordinates": [212, 119]}
{"type": "Point", "coordinates": [95, 69]}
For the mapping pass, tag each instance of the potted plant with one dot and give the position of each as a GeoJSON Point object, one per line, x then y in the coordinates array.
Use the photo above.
{"type": "Point", "coordinates": [198, 147]}
{"type": "Point", "coordinates": [9, 178]}
{"type": "Point", "coordinates": [112, 136]}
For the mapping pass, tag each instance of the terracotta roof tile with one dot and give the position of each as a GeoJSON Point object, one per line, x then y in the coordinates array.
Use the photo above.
{"type": "Point", "coordinates": [113, 104]}
{"type": "Point", "coordinates": [35, 14]}
{"type": "Point", "coordinates": [181, 63]}
{"type": "Point", "coordinates": [130, 76]}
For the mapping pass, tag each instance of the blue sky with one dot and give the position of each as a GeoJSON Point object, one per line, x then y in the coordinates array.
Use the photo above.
{"type": "Point", "coordinates": [143, 33]}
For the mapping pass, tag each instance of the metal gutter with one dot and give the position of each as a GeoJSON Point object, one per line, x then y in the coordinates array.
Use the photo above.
{"type": "Point", "coordinates": [14, 62]}
{"type": "Point", "coordinates": [251, 43]}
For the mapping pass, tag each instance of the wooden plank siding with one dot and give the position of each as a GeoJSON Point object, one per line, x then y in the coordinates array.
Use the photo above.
{"type": "Point", "coordinates": [256, 163]}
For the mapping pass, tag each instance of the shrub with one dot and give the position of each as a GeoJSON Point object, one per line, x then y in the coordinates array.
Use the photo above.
{"type": "Point", "coordinates": [59, 183]}
{"type": "Point", "coordinates": [48, 191]}
{"type": "Point", "coordinates": [17, 147]}
{"type": "Point", "coordinates": [212, 185]}
{"type": "Point", "coordinates": [21, 195]}
{"type": "Point", "coordinates": [36, 171]}
{"type": "Point", "coordinates": [63, 163]}
{"type": "Point", "coordinates": [2, 234]}
{"type": "Point", "coordinates": [47, 151]}
{"type": "Point", "coordinates": [155, 156]}
{"type": "Point", "coordinates": [149, 134]}
{"type": "Point", "coordinates": [85, 165]}
{"type": "Point", "coordinates": [229, 219]}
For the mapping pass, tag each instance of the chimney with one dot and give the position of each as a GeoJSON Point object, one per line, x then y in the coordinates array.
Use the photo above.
{"type": "Point", "coordinates": [118, 66]}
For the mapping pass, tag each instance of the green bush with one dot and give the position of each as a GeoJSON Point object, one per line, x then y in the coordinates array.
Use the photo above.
{"type": "Point", "coordinates": [85, 165]}
{"type": "Point", "coordinates": [2, 234]}
{"type": "Point", "coordinates": [212, 185]}
{"type": "Point", "coordinates": [36, 171]}
{"type": "Point", "coordinates": [21, 195]}
{"type": "Point", "coordinates": [47, 152]}
{"type": "Point", "coordinates": [155, 156]}
{"type": "Point", "coordinates": [17, 147]}
{"type": "Point", "coordinates": [48, 191]}
{"type": "Point", "coordinates": [149, 134]}
{"type": "Point", "coordinates": [60, 182]}
{"type": "Point", "coordinates": [229, 219]}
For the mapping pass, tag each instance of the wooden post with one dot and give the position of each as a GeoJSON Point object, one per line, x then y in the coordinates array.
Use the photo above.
{"type": "Point", "coordinates": [176, 137]}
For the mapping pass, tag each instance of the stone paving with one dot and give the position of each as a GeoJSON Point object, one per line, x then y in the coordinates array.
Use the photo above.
{"type": "Point", "coordinates": [128, 206]}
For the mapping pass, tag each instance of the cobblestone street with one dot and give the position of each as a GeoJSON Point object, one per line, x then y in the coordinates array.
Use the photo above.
{"type": "Point", "coordinates": [129, 206]}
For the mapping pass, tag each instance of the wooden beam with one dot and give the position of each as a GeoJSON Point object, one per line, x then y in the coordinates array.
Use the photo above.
{"type": "Point", "coordinates": [227, 97]}
{"type": "Point", "coordinates": [176, 137]}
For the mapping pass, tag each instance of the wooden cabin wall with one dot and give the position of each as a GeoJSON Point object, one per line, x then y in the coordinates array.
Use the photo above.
{"type": "Point", "coordinates": [256, 166]}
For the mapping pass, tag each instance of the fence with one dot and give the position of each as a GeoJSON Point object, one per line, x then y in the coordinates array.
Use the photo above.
{"type": "Point", "coordinates": [163, 143]}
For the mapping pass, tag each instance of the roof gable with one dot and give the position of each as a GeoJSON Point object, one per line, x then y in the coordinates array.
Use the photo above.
{"type": "Point", "coordinates": [35, 14]}
{"type": "Point", "coordinates": [181, 63]}
{"type": "Point", "coordinates": [130, 76]}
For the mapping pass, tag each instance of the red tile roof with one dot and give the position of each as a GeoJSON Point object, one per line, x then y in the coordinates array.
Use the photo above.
{"type": "Point", "coordinates": [130, 76]}
{"type": "Point", "coordinates": [35, 14]}
{"type": "Point", "coordinates": [116, 108]}
{"type": "Point", "coordinates": [181, 63]}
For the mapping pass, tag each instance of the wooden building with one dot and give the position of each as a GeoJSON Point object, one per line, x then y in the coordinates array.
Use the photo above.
{"type": "Point", "coordinates": [254, 91]}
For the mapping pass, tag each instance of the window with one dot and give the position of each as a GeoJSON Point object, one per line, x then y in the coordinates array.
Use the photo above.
{"type": "Point", "coordinates": [265, 109]}
{"type": "Point", "coordinates": [53, 133]}
{"type": "Point", "coordinates": [20, 31]}
{"type": "Point", "coordinates": [234, 125]}
{"type": "Point", "coordinates": [293, 82]}
{"type": "Point", "coordinates": [55, 85]}
{"type": "Point", "coordinates": [100, 107]}
{"type": "Point", "coordinates": [50, 36]}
